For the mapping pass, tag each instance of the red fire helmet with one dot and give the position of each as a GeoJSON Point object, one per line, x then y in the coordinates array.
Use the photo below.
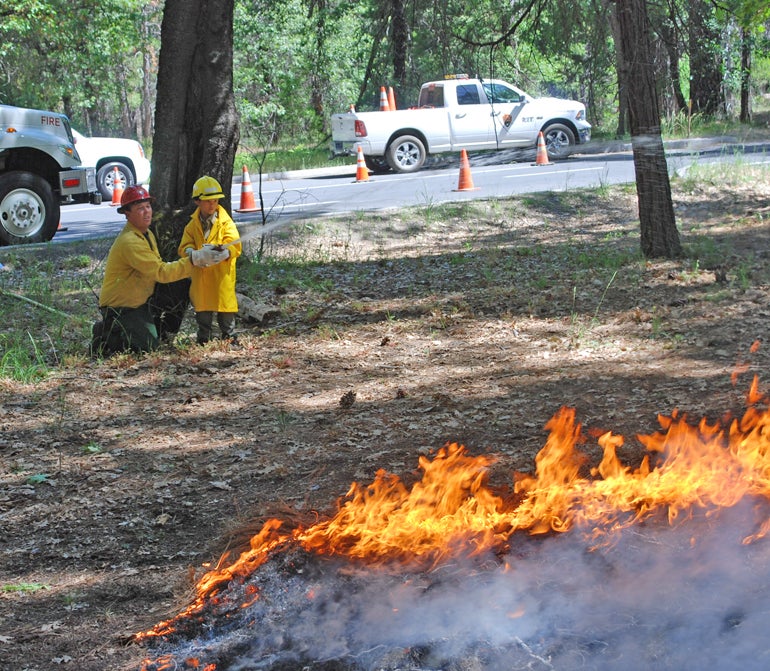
{"type": "Point", "coordinates": [134, 194]}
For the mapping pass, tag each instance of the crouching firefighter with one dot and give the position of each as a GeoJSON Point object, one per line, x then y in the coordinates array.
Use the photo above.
{"type": "Point", "coordinates": [134, 267]}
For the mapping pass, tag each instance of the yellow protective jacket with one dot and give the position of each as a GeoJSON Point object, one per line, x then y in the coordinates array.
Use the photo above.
{"type": "Point", "coordinates": [133, 267]}
{"type": "Point", "coordinates": [213, 288]}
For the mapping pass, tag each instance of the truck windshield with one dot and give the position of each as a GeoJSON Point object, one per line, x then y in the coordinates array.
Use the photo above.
{"type": "Point", "coordinates": [497, 93]}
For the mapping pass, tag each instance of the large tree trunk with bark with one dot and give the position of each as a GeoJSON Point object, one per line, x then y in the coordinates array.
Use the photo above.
{"type": "Point", "coordinates": [660, 237]}
{"type": "Point", "coordinates": [196, 122]}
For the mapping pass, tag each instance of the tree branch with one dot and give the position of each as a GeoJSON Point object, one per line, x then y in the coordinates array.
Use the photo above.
{"type": "Point", "coordinates": [508, 33]}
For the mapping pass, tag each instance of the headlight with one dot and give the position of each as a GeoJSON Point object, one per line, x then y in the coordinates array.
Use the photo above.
{"type": "Point", "coordinates": [580, 114]}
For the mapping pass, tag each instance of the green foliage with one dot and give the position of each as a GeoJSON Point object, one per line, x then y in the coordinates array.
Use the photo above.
{"type": "Point", "coordinates": [82, 58]}
{"type": "Point", "coordinates": [91, 448]}
{"type": "Point", "coordinates": [293, 67]}
{"type": "Point", "coordinates": [37, 479]}
{"type": "Point", "coordinates": [29, 587]}
{"type": "Point", "coordinates": [22, 362]}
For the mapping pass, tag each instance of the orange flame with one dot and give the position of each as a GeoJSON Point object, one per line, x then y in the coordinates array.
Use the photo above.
{"type": "Point", "coordinates": [453, 511]}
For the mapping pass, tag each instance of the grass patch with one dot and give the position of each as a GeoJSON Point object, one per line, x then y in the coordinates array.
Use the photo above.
{"type": "Point", "coordinates": [743, 170]}
{"type": "Point", "coordinates": [25, 587]}
{"type": "Point", "coordinates": [22, 360]}
{"type": "Point", "coordinates": [299, 158]}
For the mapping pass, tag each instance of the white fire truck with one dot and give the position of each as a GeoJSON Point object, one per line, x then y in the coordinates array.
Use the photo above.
{"type": "Point", "coordinates": [40, 170]}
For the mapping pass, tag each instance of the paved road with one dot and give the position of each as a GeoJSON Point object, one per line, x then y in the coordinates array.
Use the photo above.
{"type": "Point", "coordinates": [328, 191]}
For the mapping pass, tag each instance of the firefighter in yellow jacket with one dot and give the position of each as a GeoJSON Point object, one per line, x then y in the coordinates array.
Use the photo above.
{"type": "Point", "coordinates": [212, 290]}
{"type": "Point", "coordinates": [134, 266]}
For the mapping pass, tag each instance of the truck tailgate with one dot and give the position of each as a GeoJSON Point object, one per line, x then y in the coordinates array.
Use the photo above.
{"type": "Point", "coordinates": [344, 127]}
{"type": "Point", "coordinates": [431, 124]}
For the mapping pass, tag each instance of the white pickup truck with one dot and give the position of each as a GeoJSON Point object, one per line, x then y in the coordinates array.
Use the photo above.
{"type": "Point", "coordinates": [105, 154]}
{"type": "Point", "coordinates": [460, 113]}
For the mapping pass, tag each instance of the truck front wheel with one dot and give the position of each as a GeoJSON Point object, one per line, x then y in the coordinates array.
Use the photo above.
{"type": "Point", "coordinates": [29, 212]}
{"type": "Point", "coordinates": [377, 164]}
{"type": "Point", "coordinates": [559, 140]}
{"type": "Point", "coordinates": [406, 154]}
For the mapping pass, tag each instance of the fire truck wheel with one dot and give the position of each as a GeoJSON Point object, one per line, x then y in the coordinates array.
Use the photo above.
{"type": "Point", "coordinates": [29, 212]}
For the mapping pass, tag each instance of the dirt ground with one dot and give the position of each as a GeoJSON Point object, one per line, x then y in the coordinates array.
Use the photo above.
{"type": "Point", "coordinates": [121, 479]}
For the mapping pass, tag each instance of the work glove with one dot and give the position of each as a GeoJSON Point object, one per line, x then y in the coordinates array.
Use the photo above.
{"type": "Point", "coordinates": [223, 253]}
{"type": "Point", "coordinates": [203, 258]}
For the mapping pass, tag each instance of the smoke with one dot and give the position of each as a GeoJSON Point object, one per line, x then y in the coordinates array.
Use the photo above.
{"type": "Point", "coordinates": [685, 597]}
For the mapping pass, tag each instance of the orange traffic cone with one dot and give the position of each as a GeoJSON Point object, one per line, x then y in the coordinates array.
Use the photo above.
{"type": "Point", "coordinates": [362, 172]}
{"type": "Point", "coordinates": [465, 183]}
{"type": "Point", "coordinates": [247, 194]}
{"type": "Point", "coordinates": [384, 105]}
{"type": "Point", "coordinates": [117, 187]}
{"type": "Point", "coordinates": [391, 99]}
{"type": "Point", "coordinates": [542, 153]}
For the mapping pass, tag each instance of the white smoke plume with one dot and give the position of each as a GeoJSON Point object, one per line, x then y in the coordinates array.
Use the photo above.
{"type": "Point", "coordinates": [688, 597]}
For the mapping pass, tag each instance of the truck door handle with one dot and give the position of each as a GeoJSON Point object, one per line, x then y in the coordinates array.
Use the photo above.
{"type": "Point", "coordinates": [461, 116]}
{"type": "Point", "coordinates": [494, 114]}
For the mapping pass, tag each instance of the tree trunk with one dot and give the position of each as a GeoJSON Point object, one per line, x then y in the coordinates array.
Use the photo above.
{"type": "Point", "coordinates": [705, 62]}
{"type": "Point", "coordinates": [196, 122]}
{"type": "Point", "coordinates": [660, 237]}
{"type": "Point", "coordinates": [668, 34]}
{"type": "Point", "coordinates": [400, 41]}
{"type": "Point", "coordinates": [150, 15]}
{"type": "Point", "coordinates": [620, 129]}
{"type": "Point", "coordinates": [146, 106]}
{"type": "Point", "coordinates": [746, 48]}
{"type": "Point", "coordinates": [378, 33]}
{"type": "Point", "coordinates": [318, 78]}
{"type": "Point", "coordinates": [126, 116]}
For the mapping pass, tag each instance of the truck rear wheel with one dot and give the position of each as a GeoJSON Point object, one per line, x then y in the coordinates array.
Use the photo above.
{"type": "Point", "coordinates": [29, 212]}
{"type": "Point", "coordinates": [105, 178]}
{"type": "Point", "coordinates": [406, 154]}
{"type": "Point", "coordinates": [559, 140]}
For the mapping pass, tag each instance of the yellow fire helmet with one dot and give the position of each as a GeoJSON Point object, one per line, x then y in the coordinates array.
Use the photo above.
{"type": "Point", "coordinates": [207, 188]}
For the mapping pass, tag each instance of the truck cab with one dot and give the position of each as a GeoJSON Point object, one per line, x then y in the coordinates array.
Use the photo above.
{"type": "Point", "coordinates": [493, 113]}
{"type": "Point", "coordinates": [40, 170]}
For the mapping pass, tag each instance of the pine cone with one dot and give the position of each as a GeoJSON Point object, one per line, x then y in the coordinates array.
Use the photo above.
{"type": "Point", "coordinates": [348, 399]}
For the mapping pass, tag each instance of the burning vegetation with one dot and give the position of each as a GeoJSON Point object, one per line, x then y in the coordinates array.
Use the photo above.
{"type": "Point", "coordinates": [451, 528]}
